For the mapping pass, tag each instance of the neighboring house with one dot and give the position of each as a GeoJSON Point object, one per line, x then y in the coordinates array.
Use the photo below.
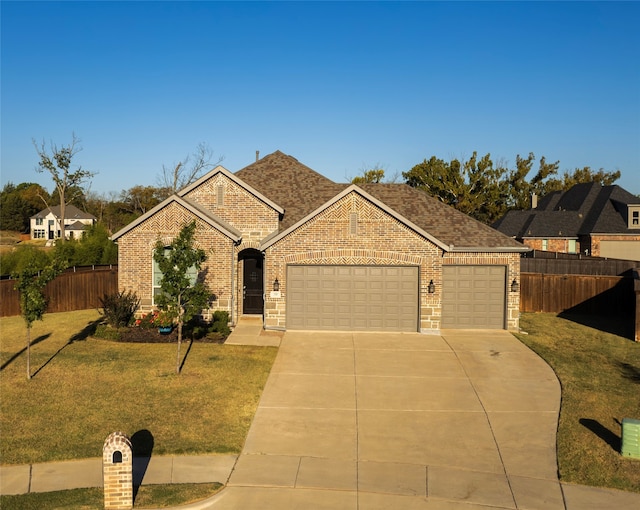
{"type": "Point", "coordinates": [46, 224]}
{"type": "Point", "coordinates": [306, 253]}
{"type": "Point", "coordinates": [601, 221]}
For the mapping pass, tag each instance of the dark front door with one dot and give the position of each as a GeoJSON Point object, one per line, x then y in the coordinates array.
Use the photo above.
{"type": "Point", "coordinates": [253, 289]}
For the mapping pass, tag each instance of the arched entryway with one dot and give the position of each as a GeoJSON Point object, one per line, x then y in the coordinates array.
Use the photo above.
{"type": "Point", "coordinates": [252, 262]}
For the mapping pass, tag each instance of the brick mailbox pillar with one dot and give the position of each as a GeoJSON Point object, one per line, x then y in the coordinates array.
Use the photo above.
{"type": "Point", "coordinates": [117, 471]}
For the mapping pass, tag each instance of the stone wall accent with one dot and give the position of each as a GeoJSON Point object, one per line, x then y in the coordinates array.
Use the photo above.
{"type": "Point", "coordinates": [512, 263]}
{"type": "Point", "coordinates": [238, 207]}
{"type": "Point", "coordinates": [117, 470]}
{"type": "Point", "coordinates": [135, 256]}
{"type": "Point", "coordinates": [379, 239]}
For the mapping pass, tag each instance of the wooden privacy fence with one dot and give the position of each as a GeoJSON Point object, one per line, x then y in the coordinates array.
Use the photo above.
{"type": "Point", "coordinates": [75, 289]}
{"type": "Point", "coordinates": [584, 294]}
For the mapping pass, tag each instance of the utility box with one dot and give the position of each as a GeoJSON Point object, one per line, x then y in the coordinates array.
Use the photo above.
{"type": "Point", "coordinates": [117, 469]}
{"type": "Point", "coordinates": [630, 438]}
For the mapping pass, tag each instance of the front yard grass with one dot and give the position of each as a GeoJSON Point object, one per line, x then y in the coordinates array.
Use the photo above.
{"type": "Point", "coordinates": [600, 377]}
{"type": "Point", "coordinates": [85, 388]}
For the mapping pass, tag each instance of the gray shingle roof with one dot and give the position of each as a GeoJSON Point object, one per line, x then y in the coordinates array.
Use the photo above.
{"type": "Point", "coordinates": [301, 190]}
{"type": "Point", "coordinates": [585, 208]}
{"type": "Point", "coordinates": [70, 212]}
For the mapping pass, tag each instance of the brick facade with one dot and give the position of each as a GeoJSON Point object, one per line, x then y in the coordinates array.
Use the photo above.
{"type": "Point", "coordinates": [380, 239]}
{"type": "Point", "coordinates": [255, 219]}
{"type": "Point", "coordinates": [553, 244]}
{"type": "Point", "coordinates": [117, 472]}
{"type": "Point", "coordinates": [135, 256]}
{"type": "Point", "coordinates": [353, 229]}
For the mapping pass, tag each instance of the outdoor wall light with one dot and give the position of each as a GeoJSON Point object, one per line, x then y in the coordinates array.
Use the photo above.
{"type": "Point", "coordinates": [276, 285]}
{"type": "Point", "coordinates": [515, 286]}
{"type": "Point", "coordinates": [431, 287]}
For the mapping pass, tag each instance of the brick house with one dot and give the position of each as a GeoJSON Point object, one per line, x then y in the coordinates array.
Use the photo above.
{"type": "Point", "coordinates": [304, 252]}
{"type": "Point", "coordinates": [601, 221]}
{"type": "Point", "coordinates": [46, 223]}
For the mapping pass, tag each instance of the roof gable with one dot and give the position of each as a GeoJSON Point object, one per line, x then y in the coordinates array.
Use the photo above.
{"type": "Point", "coordinates": [487, 240]}
{"type": "Point", "coordinates": [191, 206]}
{"type": "Point", "coordinates": [221, 170]}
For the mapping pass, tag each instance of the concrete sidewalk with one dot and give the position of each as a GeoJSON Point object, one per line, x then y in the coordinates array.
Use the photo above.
{"type": "Point", "coordinates": [78, 474]}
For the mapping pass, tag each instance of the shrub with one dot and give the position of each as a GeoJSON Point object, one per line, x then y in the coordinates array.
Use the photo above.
{"type": "Point", "coordinates": [220, 323]}
{"type": "Point", "coordinates": [107, 332]}
{"type": "Point", "coordinates": [118, 309]}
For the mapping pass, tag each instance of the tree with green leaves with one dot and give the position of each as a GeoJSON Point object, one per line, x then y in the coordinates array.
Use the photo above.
{"type": "Point", "coordinates": [30, 284]}
{"type": "Point", "coordinates": [68, 182]}
{"type": "Point", "coordinates": [182, 295]}
{"type": "Point", "coordinates": [486, 191]}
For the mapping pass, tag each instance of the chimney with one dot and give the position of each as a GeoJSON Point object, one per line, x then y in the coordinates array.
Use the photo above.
{"type": "Point", "coordinates": [257, 155]}
{"type": "Point", "coordinates": [534, 201]}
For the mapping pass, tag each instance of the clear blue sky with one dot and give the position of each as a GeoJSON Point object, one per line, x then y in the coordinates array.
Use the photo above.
{"type": "Point", "coordinates": [339, 86]}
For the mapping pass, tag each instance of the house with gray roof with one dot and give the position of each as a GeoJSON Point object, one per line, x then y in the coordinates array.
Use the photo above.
{"type": "Point", "coordinates": [305, 253]}
{"type": "Point", "coordinates": [596, 220]}
{"type": "Point", "coordinates": [46, 223]}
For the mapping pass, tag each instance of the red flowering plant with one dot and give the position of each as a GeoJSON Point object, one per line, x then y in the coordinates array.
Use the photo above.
{"type": "Point", "coordinates": [156, 319]}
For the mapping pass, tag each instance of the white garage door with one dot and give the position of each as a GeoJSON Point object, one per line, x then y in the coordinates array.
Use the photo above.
{"type": "Point", "coordinates": [352, 298]}
{"type": "Point", "coordinates": [473, 297]}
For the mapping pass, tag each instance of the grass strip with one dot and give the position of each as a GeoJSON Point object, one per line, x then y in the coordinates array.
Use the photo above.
{"type": "Point", "coordinates": [148, 496]}
{"type": "Point", "coordinates": [600, 376]}
{"type": "Point", "coordinates": [84, 388]}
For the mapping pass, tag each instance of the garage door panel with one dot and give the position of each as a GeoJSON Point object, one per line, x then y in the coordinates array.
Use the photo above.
{"type": "Point", "coordinates": [473, 297]}
{"type": "Point", "coordinates": [383, 298]}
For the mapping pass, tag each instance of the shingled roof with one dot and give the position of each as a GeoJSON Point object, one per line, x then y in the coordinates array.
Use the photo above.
{"type": "Point", "coordinates": [290, 184]}
{"type": "Point", "coordinates": [301, 190]}
{"type": "Point", "coordinates": [582, 210]}
{"type": "Point", "coordinates": [70, 212]}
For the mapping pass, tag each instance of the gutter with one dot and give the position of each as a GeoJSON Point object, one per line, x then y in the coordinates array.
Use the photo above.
{"type": "Point", "coordinates": [482, 249]}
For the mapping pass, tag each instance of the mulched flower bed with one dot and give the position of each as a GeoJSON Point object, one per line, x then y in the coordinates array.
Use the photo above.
{"type": "Point", "coordinates": [152, 336]}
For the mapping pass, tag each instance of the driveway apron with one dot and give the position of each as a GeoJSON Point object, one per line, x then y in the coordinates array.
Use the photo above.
{"type": "Point", "coordinates": [364, 421]}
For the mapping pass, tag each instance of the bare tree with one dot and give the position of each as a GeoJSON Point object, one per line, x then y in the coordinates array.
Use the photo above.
{"type": "Point", "coordinates": [66, 180]}
{"type": "Point", "coordinates": [187, 171]}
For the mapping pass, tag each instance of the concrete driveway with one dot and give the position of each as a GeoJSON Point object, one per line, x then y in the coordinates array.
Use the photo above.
{"type": "Point", "coordinates": [378, 421]}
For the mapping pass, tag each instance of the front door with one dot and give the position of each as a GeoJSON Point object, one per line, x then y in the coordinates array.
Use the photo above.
{"type": "Point", "coordinates": [253, 289]}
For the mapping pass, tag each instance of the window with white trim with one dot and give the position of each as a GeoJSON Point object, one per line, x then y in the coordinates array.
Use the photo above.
{"type": "Point", "coordinates": [545, 244]}
{"type": "Point", "coordinates": [192, 273]}
{"type": "Point", "coordinates": [571, 248]}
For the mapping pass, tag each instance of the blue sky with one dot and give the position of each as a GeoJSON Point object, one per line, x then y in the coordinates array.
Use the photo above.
{"type": "Point", "coordinates": [340, 86]}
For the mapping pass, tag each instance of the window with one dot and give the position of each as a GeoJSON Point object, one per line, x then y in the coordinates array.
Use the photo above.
{"type": "Point", "coordinates": [38, 233]}
{"type": "Point", "coordinates": [634, 216]}
{"type": "Point", "coordinates": [571, 248]}
{"type": "Point", "coordinates": [545, 244]}
{"type": "Point", "coordinates": [157, 274]}
{"type": "Point", "coordinates": [39, 221]}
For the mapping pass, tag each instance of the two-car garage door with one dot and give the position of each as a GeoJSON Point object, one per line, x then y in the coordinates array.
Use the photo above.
{"type": "Point", "coordinates": [358, 298]}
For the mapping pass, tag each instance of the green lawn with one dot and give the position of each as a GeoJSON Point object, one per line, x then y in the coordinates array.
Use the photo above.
{"type": "Point", "coordinates": [600, 377]}
{"type": "Point", "coordinates": [84, 388]}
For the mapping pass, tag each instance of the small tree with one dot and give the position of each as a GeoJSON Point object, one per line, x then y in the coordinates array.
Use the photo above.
{"type": "Point", "coordinates": [182, 294]}
{"type": "Point", "coordinates": [31, 281]}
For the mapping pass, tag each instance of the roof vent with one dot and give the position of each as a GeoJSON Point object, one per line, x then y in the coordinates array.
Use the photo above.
{"type": "Point", "coordinates": [257, 155]}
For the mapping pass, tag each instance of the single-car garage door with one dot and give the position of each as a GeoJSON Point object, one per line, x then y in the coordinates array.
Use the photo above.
{"type": "Point", "coordinates": [352, 298]}
{"type": "Point", "coordinates": [473, 297]}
